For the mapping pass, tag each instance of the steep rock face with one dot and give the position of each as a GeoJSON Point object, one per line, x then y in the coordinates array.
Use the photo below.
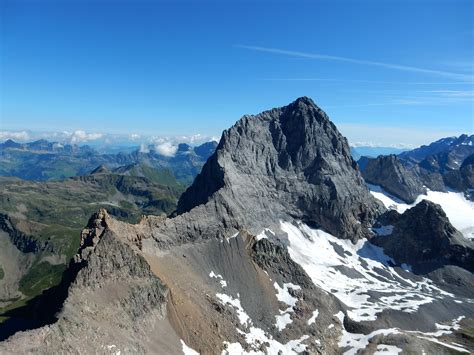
{"type": "Point", "coordinates": [462, 179]}
{"type": "Point", "coordinates": [286, 161]}
{"type": "Point", "coordinates": [424, 238]}
{"type": "Point", "coordinates": [390, 173]}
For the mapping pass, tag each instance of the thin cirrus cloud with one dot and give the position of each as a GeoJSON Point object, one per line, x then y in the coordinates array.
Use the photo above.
{"type": "Point", "coordinates": [370, 81]}
{"type": "Point", "coordinates": [453, 93]}
{"type": "Point", "coordinates": [446, 74]}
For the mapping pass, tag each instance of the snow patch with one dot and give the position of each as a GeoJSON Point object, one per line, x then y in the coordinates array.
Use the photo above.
{"type": "Point", "coordinates": [283, 295]}
{"type": "Point", "coordinates": [187, 350]}
{"type": "Point", "coordinates": [234, 302]}
{"type": "Point", "coordinates": [282, 321]}
{"type": "Point", "coordinates": [313, 317]}
{"type": "Point", "coordinates": [356, 342]}
{"type": "Point", "coordinates": [383, 349]}
{"type": "Point", "coordinates": [265, 234]}
{"type": "Point", "coordinates": [454, 347]}
{"type": "Point", "coordinates": [232, 237]}
{"type": "Point", "coordinates": [221, 280]}
{"type": "Point", "coordinates": [256, 338]}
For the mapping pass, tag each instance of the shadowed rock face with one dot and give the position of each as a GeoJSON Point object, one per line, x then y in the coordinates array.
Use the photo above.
{"type": "Point", "coordinates": [285, 161]}
{"type": "Point", "coordinates": [424, 238]}
{"type": "Point", "coordinates": [390, 173]}
{"type": "Point", "coordinates": [462, 179]}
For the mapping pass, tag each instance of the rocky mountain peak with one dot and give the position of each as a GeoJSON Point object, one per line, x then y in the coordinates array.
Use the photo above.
{"type": "Point", "coordinates": [287, 162]}
{"type": "Point", "coordinates": [91, 235]}
{"type": "Point", "coordinates": [427, 245]}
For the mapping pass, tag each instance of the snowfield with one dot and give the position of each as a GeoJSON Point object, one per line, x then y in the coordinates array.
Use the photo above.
{"type": "Point", "coordinates": [459, 210]}
{"type": "Point", "coordinates": [319, 254]}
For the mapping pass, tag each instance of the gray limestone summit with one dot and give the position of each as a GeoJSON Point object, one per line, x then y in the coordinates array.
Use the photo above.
{"type": "Point", "coordinates": [288, 161]}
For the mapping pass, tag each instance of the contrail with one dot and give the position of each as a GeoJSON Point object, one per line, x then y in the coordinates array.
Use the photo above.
{"type": "Point", "coordinates": [455, 76]}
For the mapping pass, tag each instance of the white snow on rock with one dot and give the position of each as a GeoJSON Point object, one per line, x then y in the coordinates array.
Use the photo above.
{"type": "Point", "coordinates": [256, 338]}
{"type": "Point", "coordinates": [450, 346]}
{"type": "Point", "coordinates": [383, 349]}
{"type": "Point", "coordinates": [355, 342]}
{"type": "Point", "coordinates": [319, 254]}
{"type": "Point", "coordinates": [459, 210]}
{"type": "Point", "coordinates": [265, 233]}
{"type": "Point", "coordinates": [221, 280]}
{"type": "Point", "coordinates": [234, 302]}
{"type": "Point", "coordinates": [187, 350]}
{"type": "Point", "coordinates": [313, 317]}
{"type": "Point", "coordinates": [389, 201]}
{"type": "Point", "coordinates": [282, 321]}
{"type": "Point", "coordinates": [113, 348]}
{"type": "Point", "coordinates": [283, 295]}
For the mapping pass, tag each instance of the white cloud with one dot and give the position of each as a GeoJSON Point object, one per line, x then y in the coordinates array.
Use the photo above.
{"type": "Point", "coordinates": [446, 74]}
{"type": "Point", "coordinates": [396, 137]}
{"type": "Point", "coordinates": [16, 136]}
{"type": "Point", "coordinates": [144, 148]}
{"type": "Point", "coordinates": [166, 145]}
{"type": "Point", "coordinates": [384, 145]}
{"type": "Point", "coordinates": [167, 149]}
{"type": "Point", "coordinates": [193, 139]}
{"type": "Point", "coordinates": [78, 136]}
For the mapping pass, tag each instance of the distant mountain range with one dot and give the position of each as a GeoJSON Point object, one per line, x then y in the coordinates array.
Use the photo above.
{"type": "Point", "coordinates": [442, 165]}
{"type": "Point", "coordinates": [373, 152]}
{"type": "Point", "coordinates": [42, 160]}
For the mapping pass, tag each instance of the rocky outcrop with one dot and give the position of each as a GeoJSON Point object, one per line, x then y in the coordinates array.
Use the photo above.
{"type": "Point", "coordinates": [108, 284]}
{"type": "Point", "coordinates": [286, 161]}
{"type": "Point", "coordinates": [390, 173]}
{"type": "Point", "coordinates": [424, 238]}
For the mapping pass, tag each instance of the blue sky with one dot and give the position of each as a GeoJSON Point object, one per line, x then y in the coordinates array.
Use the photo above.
{"type": "Point", "coordinates": [386, 72]}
